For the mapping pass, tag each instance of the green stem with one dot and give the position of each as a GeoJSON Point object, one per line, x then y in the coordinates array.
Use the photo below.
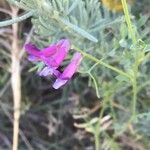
{"type": "Point", "coordinates": [97, 142]}
{"type": "Point", "coordinates": [96, 85]}
{"type": "Point", "coordinates": [134, 97]}
{"type": "Point", "coordinates": [100, 62]}
{"type": "Point", "coordinates": [128, 20]}
{"type": "Point", "coordinates": [16, 19]}
{"type": "Point", "coordinates": [135, 88]}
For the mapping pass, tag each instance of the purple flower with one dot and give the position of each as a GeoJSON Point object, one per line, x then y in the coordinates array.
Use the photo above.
{"type": "Point", "coordinates": [69, 71]}
{"type": "Point", "coordinates": [49, 71]}
{"type": "Point", "coordinates": [36, 54]}
{"type": "Point", "coordinates": [63, 47]}
{"type": "Point", "coordinates": [52, 56]}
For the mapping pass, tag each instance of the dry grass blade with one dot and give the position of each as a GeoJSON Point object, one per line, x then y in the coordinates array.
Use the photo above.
{"type": "Point", "coordinates": [15, 80]}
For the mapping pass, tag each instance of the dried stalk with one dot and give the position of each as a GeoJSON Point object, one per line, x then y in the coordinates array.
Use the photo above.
{"type": "Point", "coordinates": [15, 80]}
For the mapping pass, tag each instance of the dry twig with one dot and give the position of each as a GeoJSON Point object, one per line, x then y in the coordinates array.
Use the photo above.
{"type": "Point", "coordinates": [15, 80]}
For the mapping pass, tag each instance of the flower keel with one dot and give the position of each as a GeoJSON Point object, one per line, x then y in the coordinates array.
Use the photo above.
{"type": "Point", "coordinates": [69, 71]}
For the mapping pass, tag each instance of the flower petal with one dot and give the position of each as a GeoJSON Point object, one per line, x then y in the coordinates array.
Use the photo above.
{"type": "Point", "coordinates": [45, 72]}
{"type": "Point", "coordinates": [63, 47]}
{"type": "Point", "coordinates": [69, 71]}
{"type": "Point", "coordinates": [33, 58]}
{"type": "Point", "coordinates": [49, 51]}
{"type": "Point", "coordinates": [49, 71]}
{"type": "Point", "coordinates": [72, 67]}
{"type": "Point", "coordinates": [32, 50]}
{"type": "Point", "coordinates": [58, 83]}
{"type": "Point", "coordinates": [45, 52]}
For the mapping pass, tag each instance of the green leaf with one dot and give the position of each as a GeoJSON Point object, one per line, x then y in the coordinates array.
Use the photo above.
{"type": "Point", "coordinates": [122, 78]}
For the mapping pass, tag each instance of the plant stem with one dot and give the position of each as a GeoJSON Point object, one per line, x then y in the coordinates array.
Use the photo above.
{"type": "Point", "coordinates": [128, 20]}
{"type": "Point", "coordinates": [100, 62]}
{"type": "Point", "coordinates": [134, 97]}
{"type": "Point", "coordinates": [96, 139]}
{"type": "Point", "coordinates": [15, 80]}
{"type": "Point", "coordinates": [135, 88]}
{"type": "Point", "coordinates": [16, 19]}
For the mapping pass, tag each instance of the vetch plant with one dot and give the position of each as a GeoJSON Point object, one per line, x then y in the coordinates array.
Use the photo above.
{"type": "Point", "coordinates": [114, 50]}
{"type": "Point", "coordinates": [68, 71]}
{"type": "Point", "coordinates": [52, 57]}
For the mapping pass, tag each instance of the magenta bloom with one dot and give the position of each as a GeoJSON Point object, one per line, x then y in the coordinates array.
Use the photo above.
{"type": "Point", "coordinates": [36, 54]}
{"type": "Point", "coordinates": [55, 60]}
{"type": "Point", "coordinates": [69, 71]}
{"type": "Point", "coordinates": [52, 56]}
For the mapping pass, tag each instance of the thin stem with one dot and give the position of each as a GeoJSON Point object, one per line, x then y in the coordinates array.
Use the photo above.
{"type": "Point", "coordinates": [16, 80]}
{"type": "Point", "coordinates": [97, 142]}
{"type": "Point", "coordinates": [2, 92]}
{"type": "Point", "coordinates": [5, 11]}
{"type": "Point", "coordinates": [135, 88]}
{"type": "Point", "coordinates": [96, 85]}
{"type": "Point", "coordinates": [134, 98]}
{"type": "Point", "coordinates": [128, 20]}
{"type": "Point", "coordinates": [100, 62]}
{"type": "Point", "coordinates": [16, 19]}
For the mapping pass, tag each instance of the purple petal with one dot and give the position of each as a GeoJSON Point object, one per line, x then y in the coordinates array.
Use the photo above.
{"type": "Point", "coordinates": [52, 55]}
{"type": "Point", "coordinates": [46, 71]}
{"type": "Point", "coordinates": [63, 47]}
{"type": "Point", "coordinates": [45, 52]}
{"type": "Point", "coordinates": [49, 71]}
{"type": "Point", "coordinates": [49, 51]}
{"type": "Point", "coordinates": [58, 83]}
{"type": "Point", "coordinates": [56, 73]}
{"type": "Point", "coordinates": [33, 58]}
{"type": "Point", "coordinates": [32, 50]}
{"type": "Point", "coordinates": [72, 67]}
{"type": "Point", "coordinates": [69, 71]}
